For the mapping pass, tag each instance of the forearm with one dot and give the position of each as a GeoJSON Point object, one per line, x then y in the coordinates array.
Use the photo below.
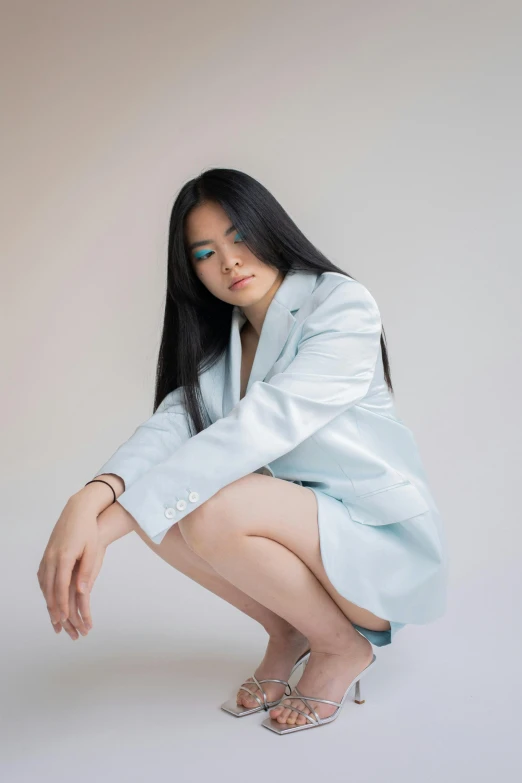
{"type": "Point", "coordinates": [98, 496]}
{"type": "Point", "coordinates": [113, 520]}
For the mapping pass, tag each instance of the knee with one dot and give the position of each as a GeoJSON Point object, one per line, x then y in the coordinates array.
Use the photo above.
{"type": "Point", "coordinates": [200, 529]}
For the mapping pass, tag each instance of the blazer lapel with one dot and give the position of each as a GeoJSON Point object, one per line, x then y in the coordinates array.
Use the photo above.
{"type": "Point", "coordinates": [277, 326]}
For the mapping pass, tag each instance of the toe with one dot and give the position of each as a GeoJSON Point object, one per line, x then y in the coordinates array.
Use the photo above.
{"type": "Point", "coordinates": [246, 699]}
{"type": "Point", "coordinates": [283, 715]}
{"type": "Point", "coordinates": [296, 717]}
{"type": "Point", "coordinates": [289, 715]}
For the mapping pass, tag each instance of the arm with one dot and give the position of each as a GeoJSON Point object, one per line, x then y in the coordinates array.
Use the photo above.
{"type": "Point", "coordinates": [151, 443]}
{"type": "Point", "coordinates": [91, 521]}
{"type": "Point", "coordinates": [97, 497]}
{"type": "Point", "coordinates": [331, 372]}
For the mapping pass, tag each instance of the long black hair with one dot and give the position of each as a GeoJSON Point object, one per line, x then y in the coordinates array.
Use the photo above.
{"type": "Point", "coordinates": [196, 324]}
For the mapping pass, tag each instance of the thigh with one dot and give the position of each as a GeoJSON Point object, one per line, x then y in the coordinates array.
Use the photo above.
{"type": "Point", "coordinates": [260, 505]}
{"type": "Point", "coordinates": [174, 551]}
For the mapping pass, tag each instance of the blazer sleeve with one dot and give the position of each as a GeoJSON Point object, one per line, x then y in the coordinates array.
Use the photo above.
{"type": "Point", "coordinates": [152, 442]}
{"type": "Point", "coordinates": [331, 371]}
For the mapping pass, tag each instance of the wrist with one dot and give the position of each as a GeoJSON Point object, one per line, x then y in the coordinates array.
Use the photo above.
{"type": "Point", "coordinates": [93, 498]}
{"type": "Point", "coordinates": [113, 523]}
{"type": "Point", "coordinates": [97, 495]}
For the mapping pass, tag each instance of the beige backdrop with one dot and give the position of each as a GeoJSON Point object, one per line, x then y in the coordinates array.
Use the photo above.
{"type": "Point", "coordinates": [390, 131]}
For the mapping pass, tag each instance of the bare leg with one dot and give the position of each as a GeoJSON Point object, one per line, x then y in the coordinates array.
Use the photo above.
{"type": "Point", "coordinates": [274, 557]}
{"type": "Point", "coordinates": [174, 550]}
{"type": "Point", "coordinates": [285, 644]}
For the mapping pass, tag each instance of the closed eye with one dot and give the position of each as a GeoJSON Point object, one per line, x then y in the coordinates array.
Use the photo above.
{"type": "Point", "coordinates": [204, 254]}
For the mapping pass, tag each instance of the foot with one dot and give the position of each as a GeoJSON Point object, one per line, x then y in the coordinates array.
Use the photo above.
{"type": "Point", "coordinates": [327, 675]}
{"type": "Point", "coordinates": [281, 654]}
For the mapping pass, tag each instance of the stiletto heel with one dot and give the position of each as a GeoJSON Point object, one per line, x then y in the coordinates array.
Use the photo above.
{"type": "Point", "coordinates": [238, 710]}
{"type": "Point", "coordinates": [282, 728]}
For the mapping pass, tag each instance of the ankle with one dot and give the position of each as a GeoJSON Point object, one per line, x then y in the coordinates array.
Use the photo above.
{"type": "Point", "coordinates": [285, 634]}
{"type": "Point", "coordinates": [355, 645]}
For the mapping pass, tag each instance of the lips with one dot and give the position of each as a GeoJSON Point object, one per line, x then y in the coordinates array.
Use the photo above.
{"type": "Point", "coordinates": [239, 279]}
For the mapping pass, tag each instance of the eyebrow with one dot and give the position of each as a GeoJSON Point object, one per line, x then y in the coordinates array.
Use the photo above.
{"type": "Point", "coordinates": [210, 241]}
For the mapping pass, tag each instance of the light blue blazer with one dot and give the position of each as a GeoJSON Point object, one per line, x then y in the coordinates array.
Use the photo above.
{"type": "Point", "coordinates": [316, 411]}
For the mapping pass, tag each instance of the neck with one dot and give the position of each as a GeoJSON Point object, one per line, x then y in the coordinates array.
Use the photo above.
{"type": "Point", "coordinates": [255, 313]}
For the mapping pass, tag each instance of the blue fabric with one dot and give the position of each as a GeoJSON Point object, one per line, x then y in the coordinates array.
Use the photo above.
{"type": "Point", "coordinates": [380, 638]}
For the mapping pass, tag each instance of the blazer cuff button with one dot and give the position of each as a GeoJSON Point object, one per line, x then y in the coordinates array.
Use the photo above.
{"type": "Point", "coordinates": [193, 497]}
{"type": "Point", "coordinates": [170, 513]}
{"type": "Point", "coordinates": [181, 505]}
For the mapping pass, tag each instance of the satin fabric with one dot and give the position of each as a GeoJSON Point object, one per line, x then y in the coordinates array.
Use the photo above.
{"type": "Point", "coordinates": [316, 411]}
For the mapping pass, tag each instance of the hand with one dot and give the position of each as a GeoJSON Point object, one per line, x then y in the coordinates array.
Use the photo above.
{"type": "Point", "coordinates": [70, 564]}
{"type": "Point", "coordinates": [80, 619]}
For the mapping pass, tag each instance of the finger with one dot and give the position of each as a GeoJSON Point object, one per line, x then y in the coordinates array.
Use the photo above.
{"type": "Point", "coordinates": [40, 575]}
{"type": "Point", "coordinates": [86, 568]}
{"type": "Point", "coordinates": [62, 581]}
{"type": "Point", "coordinates": [71, 630]}
{"type": "Point", "coordinates": [48, 591]}
{"type": "Point", "coordinates": [84, 606]}
{"type": "Point", "coordinates": [74, 617]}
{"type": "Point", "coordinates": [56, 625]}
{"type": "Point", "coordinates": [84, 599]}
{"type": "Point", "coordinates": [86, 574]}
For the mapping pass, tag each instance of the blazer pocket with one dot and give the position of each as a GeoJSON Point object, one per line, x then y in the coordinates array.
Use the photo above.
{"type": "Point", "coordinates": [393, 504]}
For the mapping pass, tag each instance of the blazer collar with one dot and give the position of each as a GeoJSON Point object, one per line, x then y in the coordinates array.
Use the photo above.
{"type": "Point", "coordinates": [220, 384]}
{"type": "Point", "coordinates": [296, 287]}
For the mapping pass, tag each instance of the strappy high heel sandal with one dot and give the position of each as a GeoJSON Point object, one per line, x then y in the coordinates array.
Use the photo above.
{"type": "Point", "coordinates": [239, 710]}
{"type": "Point", "coordinates": [287, 728]}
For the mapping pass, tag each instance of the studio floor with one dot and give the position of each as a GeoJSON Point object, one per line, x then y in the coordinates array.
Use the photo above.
{"type": "Point", "coordinates": [139, 697]}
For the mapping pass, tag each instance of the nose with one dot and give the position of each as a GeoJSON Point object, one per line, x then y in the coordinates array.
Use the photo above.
{"type": "Point", "coordinates": [231, 262]}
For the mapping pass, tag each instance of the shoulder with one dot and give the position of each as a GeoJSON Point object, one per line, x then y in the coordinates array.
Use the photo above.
{"type": "Point", "coordinates": [340, 308]}
{"type": "Point", "coordinates": [335, 292]}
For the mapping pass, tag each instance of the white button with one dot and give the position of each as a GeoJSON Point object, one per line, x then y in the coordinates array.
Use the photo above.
{"type": "Point", "coordinates": [181, 505]}
{"type": "Point", "coordinates": [193, 497]}
{"type": "Point", "coordinates": [170, 512]}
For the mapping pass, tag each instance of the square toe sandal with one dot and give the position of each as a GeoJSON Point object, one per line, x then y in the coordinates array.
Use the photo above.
{"type": "Point", "coordinates": [238, 710]}
{"type": "Point", "coordinates": [314, 719]}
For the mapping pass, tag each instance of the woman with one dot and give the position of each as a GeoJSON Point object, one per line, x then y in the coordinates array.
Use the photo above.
{"type": "Point", "coordinates": [298, 493]}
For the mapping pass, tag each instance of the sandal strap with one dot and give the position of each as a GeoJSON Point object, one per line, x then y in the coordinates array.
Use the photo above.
{"type": "Point", "coordinates": [289, 707]}
{"type": "Point", "coordinates": [265, 703]}
{"type": "Point", "coordinates": [301, 657]}
{"type": "Point", "coordinates": [254, 695]}
{"type": "Point", "coordinates": [307, 703]}
{"type": "Point", "coordinates": [308, 717]}
{"type": "Point", "coordinates": [305, 700]}
{"type": "Point", "coordinates": [283, 682]}
{"type": "Point", "coordinates": [313, 698]}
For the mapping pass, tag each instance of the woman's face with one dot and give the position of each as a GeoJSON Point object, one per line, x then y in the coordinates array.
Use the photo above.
{"type": "Point", "coordinates": [219, 256]}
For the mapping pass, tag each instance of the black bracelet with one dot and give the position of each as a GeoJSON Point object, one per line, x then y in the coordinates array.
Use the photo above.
{"type": "Point", "coordinates": [104, 482]}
